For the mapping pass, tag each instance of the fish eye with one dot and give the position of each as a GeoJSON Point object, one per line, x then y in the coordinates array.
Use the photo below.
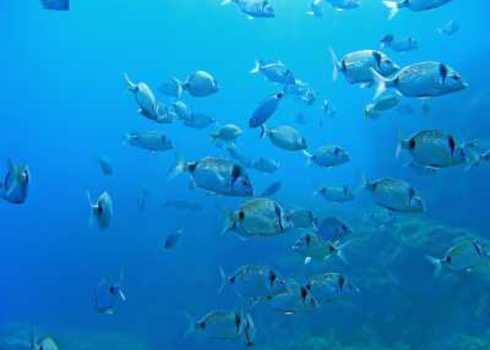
{"type": "Point", "coordinates": [241, 215]}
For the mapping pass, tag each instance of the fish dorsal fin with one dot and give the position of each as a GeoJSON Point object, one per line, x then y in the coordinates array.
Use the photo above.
{"type": "Point", "coordinates": [378, 58]}
{"type": "Point", "coordinates": [443, 72]}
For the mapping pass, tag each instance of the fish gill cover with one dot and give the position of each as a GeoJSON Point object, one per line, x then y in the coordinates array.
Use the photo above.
{"type": "Point", "coordinates": [307, 174]}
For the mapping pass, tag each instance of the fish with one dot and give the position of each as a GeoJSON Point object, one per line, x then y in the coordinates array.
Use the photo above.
{"type": "Point", "coordinates": [316, 8]}
{"type": "Point", "coordinates": [394, 6]}
{"type": "Point", "coordinates": [215, 176]}
{"type": "Point", "coordinates": [329, 287]}
{"type": "Point", "coordinates": [108, 295]}
{"type": "Point", "coordinates": [183, 205]}
{"type": "Point", "coordinates": [265, 110]}
{"type": "Point", "coordinates": [399, 45]}
{"type": "Point", "coordinates": [151, 140]}
{"type": "Point", "coordinates": [182, 111]}
{"type": "Point", "coordinates": [199, 121]}
{"type": "Point", "coordinates": [434, 148]}
{"type": "Point", "coordinates": [274, 71]}
{"type": "Point", "coordinates": [249, 331]}
{"type": "Point", "coordinates": [45, 343]}
{"type": "Point", "coordinates": [421, 80]}
{"type": "Point", "coordinates": [302, 90]}
{"type": "Point", "coordinates": [396, 195]}
{"type": "Point", "coordinates": [148, 105]}
{"type": "Point", "coordinates": [464, 256]}
{"type": "Point", "coordinates": [272, 189]}
{"type": "Point", "coordinates": [295, 300]}
{"type": "Point", "coordinates": [56, 5]}
{"type": "Point", "coordinates": [16, 182]}
{"type": "Point", "coordinates": [172, 240]}
{"type": "Point", "coordinates": [384, 103]}
{"type": "Point", "coordinates": [312, 247]}
{"type": "Point", "coordinates": [356, 66]}
{"type": "Point", "coordinates": [101, 210]}
{"type": "Point", "coordinates": [336, 194]}
{"type": "Point", "coordinates": [198, 84]}
{"type": "Point", "coordinates": [285, 137]}
{"type": "Point", "coordinates": [449, 29]}
{"type": "Point", "coordinates": [255, 283]}
{"type": "Point", "coordinates": [227, 133]}
{"type": "Point", "coordinates": [342, 5]}
{"type": "Point", "coordinates": [265, 165]}
{"type": "Point", "coordinates": [382, 218]}
{"type": "Point", "coordinates": [332, 229]}
{"type": "Point", "coordinates": [257, 218]}
{"type": "Point", "coordinates": [236, 155]}
{"type": "Point", "coordinates": [328, 156]}
{"type": "Point", "coordinates": [105, 165]}
{"type": "Point", "coordinates": [219, 325]}
{"type": "Point", "coordinates": [253, 8]}
{"type": "Point", "coordinates": [302, 218]}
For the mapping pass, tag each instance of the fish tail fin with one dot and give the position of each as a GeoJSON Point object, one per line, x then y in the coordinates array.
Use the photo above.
{"type": "Point", "coordinates": [393, 7]}
{"type": "Point", "coordinates": [223, 280]}
{"type": "Point", "coordinates": [229, 222]}
{"type": "Point", "coordinates": [340, 251]}
{"type": "Point", "coordinates": [381, 83]}
{"type": "Point", "coordinates": [475, 163]}
{"type": "Point", "coordinates": [177, 168]}
{"type": "Point", "coordinates": [335, 64]}
{"type": "Point", "coordinates": [308, 157]}
{"type": "Point", "coordinates": [437, 264]}
{"type": "Point", "coordinates": [399, 145]}
{"type": "Point", "coordinates": [263, 131]}
{"type": "Point", "coordinates": [256, 68]}
{"type": "Point", "coordinates": [131, 85]}
{"type": "Point", "coordinates": [180, 87]}
{"type": "Point", "coordinates": [92, 210]}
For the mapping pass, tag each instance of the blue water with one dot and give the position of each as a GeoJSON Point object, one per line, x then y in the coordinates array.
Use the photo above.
{"type": "Point", "coordinates": [64, 102]}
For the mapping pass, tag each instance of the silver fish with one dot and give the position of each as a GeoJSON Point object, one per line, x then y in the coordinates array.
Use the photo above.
{"type": "Point", "coordinates": [146, 100]}
{"type": "Point", "coordinates": [399, 45]}
{"type": "Point", "coordinates": [258, 217]}
{"type": "Point", "coordinates": [172, 240]}
{"type": "Point", "coordinates": [332, 229]}
{"type": "Point", "coordinates": [46, 343]}
{"type": "Point", "coordinates": [101, 210]}
{"type": "Point", "coordinates": [336, 194]}
{"type": "Point", "coordinates": [450, 28]}
{"type": "Point", "coordinates": [227, 133]}
{"type": "Point", "coordinates": [253, 282]}
{"type": "Point", "coordinates": [253, 8]}
{"type": "Point", "coordinates": [302, 90]}
{"type": "Point", "coordinates": [424, 79]}
{"type": "Point", "coordinates": [216, 175]}
{"type": "Point", "coordinates": [199, 121]}
{"type": "Point", "coordinates": [295, 300]}
{"type": "Point", "coordinates": [382, 104]}
{"type": "Point", "coordinates": [434, 148]}
{"type": "Point", "coordinates": [302, 218]}
{"type": "Point", "coordinates": [266, 165]}
{"type": "Point", "coordinates": [108, 295]}
{"type": "Point", "coordinates": [198, 84]}
{"type": "Point", "coordinates": [342, 5]}
{"type": "Point", "coordinates": [285, 137]}
{"type": "Point", "coordinates": [462, 257]}
{"type": "Point", "coordinates": [396, 195]}
{"type": "Point", "coordinates": [356, 66]}
{"type": "Point", "coordinates": [219, 325]}
{"type": "Point", "coordinates": [274, 71]}
{"type": "Point", "coordinates": [328, 156]}
{"type": "Point", "coordinates": [312, 246]}
{"type": "Point", "coordinates": [414, 5]}
{"type": "Point", "coordinates": [151, 141]}
{"type": "Point", "coordinates": [329, 287]}
{"type": "Point", "coordinates": [316, 8]}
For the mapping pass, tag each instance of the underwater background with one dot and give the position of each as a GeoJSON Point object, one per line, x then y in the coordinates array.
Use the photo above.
{"type": "Point", "coordinates": [64, 103]}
